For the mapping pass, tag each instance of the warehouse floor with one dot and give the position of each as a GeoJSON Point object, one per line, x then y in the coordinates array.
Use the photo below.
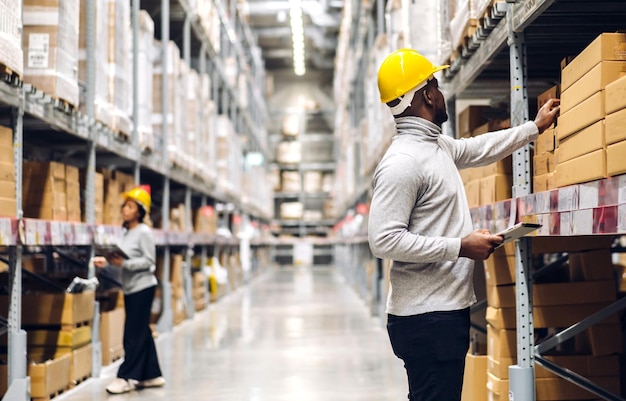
{"type": "Point", "coordinates": [292, 334]}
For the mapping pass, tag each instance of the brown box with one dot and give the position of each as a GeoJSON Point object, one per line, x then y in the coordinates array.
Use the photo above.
{"type": "Point", "coordinates": [472, 191]}
{"type": "Point", "coordinates": [601, 339]}
{"type": "Point", "coordinates": [615, 159]}
{"type": "Point", "coordinates": [8, 207]}
{"type": "Point", "coordinates": [7, 171]}
{"type": "Point", "coordinates": [554, 294]}
{"type": "Point", "coordinates": [112, 335]}
{"type": "Point", "coordinates": [70, 338]}
{"type": "Point", "coordinates": [501, 343]}
{"type": "Point", "coordinates": [6, 154]}
{"type": "Point", "coordinates": [556, 388]}
{"type": "Point", "coordinates": [606, 47]}
{"type": "Point", "coordinates": [49, 377]}
{"type": "Point", "coordinates": [500, 367]}
{"type": "Point", "coordinates": [570, 244]}
{"type": "Point", "coordinates": [480, 130]}
{"type": "Point", "coordinates": [589, 167]}
{"type": "Point", "coordinates": [55, 309]}
{"type": "Point", "coordinates": [615, 128]}
{"type": "Point", "coordinates": [580, 116]}
{"type": "Point", "coordinates": [470, 118]}
{"type": "Point", "coordinates": [504, 166]}
{"type": "Point", "coordinates": [6, 137]}
{"type": "Point", "coordinates": [591, 266]}
{"type": "Point", "coordinates": [497, 389]}
{"type": "Point", "coordinates": [495, 188]}
{"type": "Point", "coordinates": [499, 268]}
{"type": "Point", "coordinates": [581, 143]}
{"type": "Point", "coordinates": [592, 82]}
{"type": "Point", "coordinates": [81, 364]}
{"type": "Point", "coordinates": [475, 378]}
{"type": "Point", "coordinates": [565, 315]}
{"type": "Point", "coordinates": [501, 296]}
{"type": "Point", "coordinates": [615, 95]}
{"type": "Point", "coordinates": [552, 93]}
{"type": "Point", "coordinates": [544, 163]}
{"type": "Point", "coordinates": [501, 318]}
{"type": "Point", "coordinates": [545, 142]}
{"type": "Point", "coordinates": [545, 182]}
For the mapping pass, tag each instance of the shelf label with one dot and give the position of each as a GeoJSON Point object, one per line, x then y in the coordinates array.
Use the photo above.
{"type": "Point", "coordinates": [38, 50]}
{"type": "Point", "coordinates": [568, 198]}
{"type": "Point", "coordinates": [589, 195]}
{"type": "Point", "coordinates": [582, 222]}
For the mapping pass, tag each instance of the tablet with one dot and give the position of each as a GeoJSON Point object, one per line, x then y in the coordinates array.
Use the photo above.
{"type": "Point", "coordinates": [517, 231]}
{"type": "Point", "coordinates": [108, 250]}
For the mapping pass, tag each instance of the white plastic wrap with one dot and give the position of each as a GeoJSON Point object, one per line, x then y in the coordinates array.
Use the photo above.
{"type": "Point", "coordinates": [145, 60]}
{"type": "Point", "coordinates": [11, 55]}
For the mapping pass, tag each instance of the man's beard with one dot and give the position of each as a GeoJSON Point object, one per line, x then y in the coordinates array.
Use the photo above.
{"type": "Point", "coordinates": [441, 117]}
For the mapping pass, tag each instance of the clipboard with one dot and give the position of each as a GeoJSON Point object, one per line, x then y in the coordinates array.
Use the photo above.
{"type": "Point", "coordinates": [517, 231]}
{"type": "Point", "coordinates": [108, 250]}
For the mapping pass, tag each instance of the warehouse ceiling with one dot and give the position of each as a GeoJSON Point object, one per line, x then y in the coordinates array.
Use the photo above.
{"type": "Point", "coordinates": [270, 23]}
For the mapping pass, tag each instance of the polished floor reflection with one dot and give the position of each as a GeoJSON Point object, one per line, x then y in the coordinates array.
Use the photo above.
{"type": "Point", "coordinates": [292, 334]}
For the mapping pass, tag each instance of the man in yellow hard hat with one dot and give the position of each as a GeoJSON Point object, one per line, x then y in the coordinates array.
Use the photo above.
{"type": "Point", "coordinates": [419, 218]}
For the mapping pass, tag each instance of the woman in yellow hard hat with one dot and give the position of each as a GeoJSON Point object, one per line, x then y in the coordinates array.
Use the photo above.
{"type": "Point", "coordinates": [140, 368]}
{"type": "Point", "coordinates": [419, 219]}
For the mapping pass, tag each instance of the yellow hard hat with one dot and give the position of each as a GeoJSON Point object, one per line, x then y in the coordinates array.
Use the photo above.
{"type": "Point", "coordinates": [402, 71]}
{"type": "Point", "coordinates": [141, 195]}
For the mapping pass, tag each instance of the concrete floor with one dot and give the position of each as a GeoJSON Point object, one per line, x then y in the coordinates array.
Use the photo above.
{"type": "Point", "coordinates": [292, 334]}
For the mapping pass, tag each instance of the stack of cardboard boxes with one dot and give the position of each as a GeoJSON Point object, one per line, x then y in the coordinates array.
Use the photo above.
{"type": "Point", "coordinates": [50, 40]}
{"type": "Point", "coordinates": [557, 305]}
{"type": "Point", "coordinates": [615, 129]}
{"type": "Point", "coordinates": [11, 56]}
{"type": "Point", "coordinates": [44, 191]}
{"type": "Point", "coordinates": [205, 220]}
{"type": "Point", "coordinates": [115, 183]}
{"type": "Point", "coordinates": [544, 160]}
{"type": "Point", "coordinates": [584, 128]}
{"type": "Point", "coordinates": [199, 290]}
{"type": "Point", "coordinates": [7, 174]}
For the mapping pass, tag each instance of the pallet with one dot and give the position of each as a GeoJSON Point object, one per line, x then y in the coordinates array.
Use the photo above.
{"type": "Point", "coordinates": [9, 76]}
{"type": "Point", "coordinates": [59, 104]}
{"type": "Point", "coordinates": [52, 396]}
{"type": "Point", "coordinates": [80, 380]}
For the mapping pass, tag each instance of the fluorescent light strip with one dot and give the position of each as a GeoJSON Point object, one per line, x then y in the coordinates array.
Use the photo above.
{"type": "Point", "coordinates": [297, 37]}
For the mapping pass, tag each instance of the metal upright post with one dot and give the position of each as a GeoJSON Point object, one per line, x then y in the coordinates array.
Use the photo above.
{"type": "Point", "coordinates": [522, 375]}
{"type": "Point", "coordinates": [166, 320]}
{"type": "Point", "coordinates": [187, 269]}
{"type": "Point", "coordinates": [203, 257]}
{"type": "Point", "coordinates": [18, 381]}
{"type": "Point", "coordinates": [135, 135]}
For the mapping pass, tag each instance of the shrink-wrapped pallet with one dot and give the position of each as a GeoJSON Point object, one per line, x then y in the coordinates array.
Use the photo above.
{"type": "Point", "coordinates": [119, 66]}
{"type": "Point", "coordinates": [171, 71]}
{"type": "Point", "coordinates": [11, 56]}
{"type": "Point", "coordinates": [145, 59]}
{"type": "Point", "coordinates": [50, 41]}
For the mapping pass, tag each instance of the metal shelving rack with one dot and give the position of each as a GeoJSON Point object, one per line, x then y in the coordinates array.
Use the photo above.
{"type": "Point", "coordinates": [522, 26]}
{"type": "Point", "coordinates": [33, 110]}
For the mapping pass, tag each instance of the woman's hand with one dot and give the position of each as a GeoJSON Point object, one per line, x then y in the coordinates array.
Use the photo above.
{"type": "Point", "coordinates": [116, 260]}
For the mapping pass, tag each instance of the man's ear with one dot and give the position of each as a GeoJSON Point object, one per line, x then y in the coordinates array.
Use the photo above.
{"type": "Point", "coordinates": [427, 96]}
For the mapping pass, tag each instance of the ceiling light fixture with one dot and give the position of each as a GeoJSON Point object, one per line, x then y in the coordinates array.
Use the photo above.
{"type": "Point", "coordinates": [297, 37]}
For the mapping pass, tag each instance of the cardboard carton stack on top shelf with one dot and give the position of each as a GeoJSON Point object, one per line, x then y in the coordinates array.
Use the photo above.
{"type": "Point", "coordinates": [44, 191]}
{"type": "Point", "coordinates": [7, 174]}
{"type": "Point", "coordinates": [172, 72]}
{"type": "Point", "coordinates": [119, 67]}
{"type": "Point", "coordinates": [615, 128]}
{"type": "Point", "coordinates": [557, 305]}
{"type": "Point", "coordinates": [11, 55]}
{"type": "Point", "coordinates": [50, 41]}
{"type": "Point", "coordinates": [145, 60]}
{"type": "Point", "coordinates": [582, 134]}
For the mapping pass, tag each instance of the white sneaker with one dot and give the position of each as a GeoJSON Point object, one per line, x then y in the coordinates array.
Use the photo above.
{"type": "Point", "coordinates": [120, 386]}
{"type": "Point", "coordinates": [156, 382]}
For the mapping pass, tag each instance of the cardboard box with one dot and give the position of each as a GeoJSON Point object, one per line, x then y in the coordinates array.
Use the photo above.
{"type": "Point", "coordinates": [499, 268]}
{"type": "Point", "coordinates": [501, 318]}
{"type": "Point", "coordinates": [501, 343]}
{"type": "Point", "coordinates": [472, 191]}
{"type": "Point", "coordinates": [570, 244]}
{"type": "Point", "coordinates": [545, 142]}
{"type": "Point", "coordinates": [501, 296]}
{"type": "Point", "coordinates": [475, 378]}
{"type": "Point", "coordinates": [8, 207]}
{"type": "Point", "coordinates": [55, 309]}
{"type": "Point", "coordinates": [81, 364]}
{"type": "Point", "coordinates": [6, 137]}
{"type": "Point", "coordinates": [112, 335]}
{"type": "Point", "coordinates": [615, 160]}
{"type": "Point", "coordinates": [552, 93]}
{"type": "Point", "coordinates": [545, 182]}
{"type": "Point", "coordinates": [471, 118]}
{"type": "Point", "coordinates": [580, 116]}
{"type": "Point", "coordinates": [589, 167]}
{"type": "Point", "coordinates": [615, 95]}
{"type": "Point", "coordinates": [49, 377]}
{"type": "Point", "coordinates": [71, 338]}
{"type": "Point", "coordinates": [581, 143]}
{"type": "Point", "coordinates": [480, 130]}
{"type": "Point", "coordinates": [7, 171]}
{"type": "Point", "coordinates": [548, 389]}
{"type": "Point", "coordinates": [606, 47]}
{"type": "Point", "coordinates": [615, 127]}
{"type": "Point", "coordinates": [497, 388]}
{"type": "Point", "coordinates": [565, 315]}
{"type": "Point", "coordinates": [592, 82]}
{"type": "Point", "coordinates": [504, 166]}
{"type": "Point", "coordinates": [544, 163]}
{"type": "Point", "coordinates": [500, 367]}
{"type": "Point", "coordinates": [553, 294]}
{"type": "Point", "coordinates": [601, 339]}
{"type": "Point", "coordinates": [6, 154]}
{"type": "Point", "coordinates": [495, 188]}
{"type": "Point", "coordinates": [591, 266]}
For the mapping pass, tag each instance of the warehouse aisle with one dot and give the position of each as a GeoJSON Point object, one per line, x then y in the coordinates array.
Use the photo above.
{"type": "Point", "coordinates": [293, 334]}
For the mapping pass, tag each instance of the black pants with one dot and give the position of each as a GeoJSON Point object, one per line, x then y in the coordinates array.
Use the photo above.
{"type": "Point", "coordinates": [140, 356]}
{"type": "Point", "coordinates": [433, 347]}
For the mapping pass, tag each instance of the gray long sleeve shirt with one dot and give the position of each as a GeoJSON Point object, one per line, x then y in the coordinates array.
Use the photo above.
{"type": "Point", "coordinates": [419, 212]}
{"type": "Point", "coordinates": [138, 270]}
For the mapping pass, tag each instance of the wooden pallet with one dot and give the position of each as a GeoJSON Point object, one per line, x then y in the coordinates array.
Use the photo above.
{"type": "Point", "coordinates": [9, 76]}
{"type": "Point", "coordinates": [80, 380]}
{"type": "Point", "coordinates": [52, 396]}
